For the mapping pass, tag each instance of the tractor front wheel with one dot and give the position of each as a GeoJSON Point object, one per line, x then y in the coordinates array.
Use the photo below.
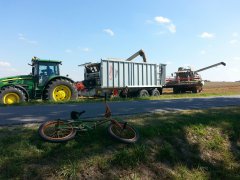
{"type": "Point", "coordinates": [12, 95]}
{"type": "Point", "coordinates": [61, 90]}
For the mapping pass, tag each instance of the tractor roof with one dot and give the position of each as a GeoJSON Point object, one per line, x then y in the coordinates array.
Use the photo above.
{"type": "Point", "coordinates": [35, 59]}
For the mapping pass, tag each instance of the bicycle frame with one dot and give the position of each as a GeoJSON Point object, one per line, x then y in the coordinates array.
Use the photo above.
{"type": "Point", "coordinates": [80, 125]}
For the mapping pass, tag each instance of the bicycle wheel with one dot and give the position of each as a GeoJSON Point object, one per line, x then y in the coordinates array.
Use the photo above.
{"type": "Point", "coordinates": [125, 133]}
{"type": "Point", "coordinates": [56, 131]}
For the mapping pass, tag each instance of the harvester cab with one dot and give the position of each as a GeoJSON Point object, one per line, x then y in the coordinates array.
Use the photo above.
{"type": "Point", "coordinates": [186, 74]}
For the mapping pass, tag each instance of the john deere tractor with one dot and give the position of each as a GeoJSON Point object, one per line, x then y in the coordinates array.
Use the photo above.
{"type": "Point", "coordinates": [44, 82]}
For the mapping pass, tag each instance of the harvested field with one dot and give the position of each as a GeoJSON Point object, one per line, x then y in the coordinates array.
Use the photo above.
{"type": "Point", "coordinates": [221, 87]}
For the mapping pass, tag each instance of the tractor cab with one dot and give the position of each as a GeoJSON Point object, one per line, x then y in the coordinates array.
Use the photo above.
{"type": "Point", "coordinates": [43, 70]}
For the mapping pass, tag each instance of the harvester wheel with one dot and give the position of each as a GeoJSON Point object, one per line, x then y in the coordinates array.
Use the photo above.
{"type": "Point", "coordinates": [175, 90]}
{"type": "Point", "coordinates": [155, 92]}
{"type": "Point", "coordinates": [12, 95]}
{"type": "Point", "coordinates": [195, 90]}
{"type": "Point", "coordinates": [143, 93]}
{"type": "Point", "coordinates": [60, 90]}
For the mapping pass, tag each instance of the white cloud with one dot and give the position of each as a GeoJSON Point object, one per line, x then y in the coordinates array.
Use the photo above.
{"type": "Point", "coordinates": [21, 37]}
{"type": "Point", "coordinates": [86, 49]}
{"type": "Point", "coordinates": [162, 20]}
{"type": "Point", "coordinates": [109, 32]}
{"type": "Point", "coordinates": [235, 34]}
{"type": "Point", "coordinates": [68, 51]}
{"type": "Point", "coordinates": [203, 52]}
{"type": "Point", "coordinates": [166, 22]}
{"type": "Point", "coordinates": [4, 64]}
{"type": "Point", "coordinates": [6, 69]}
{"type": "Point", "coordinates": [233, 41]}
{"type": "Point", "coordinates": [236, 58]}
{"type": "Point", "coordinates": [172, 28]}
{"type": "Point", "coordinates": [207, 35]}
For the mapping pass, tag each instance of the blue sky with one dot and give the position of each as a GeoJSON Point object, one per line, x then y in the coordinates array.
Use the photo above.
{"type": "Point", "coordinates": [177, 33]}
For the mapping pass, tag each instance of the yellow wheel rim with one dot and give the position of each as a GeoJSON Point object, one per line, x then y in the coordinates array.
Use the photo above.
{"type": "Point", "coordinates": [61, 93]}
{"type": "Point", "coordinates": [11, 98]}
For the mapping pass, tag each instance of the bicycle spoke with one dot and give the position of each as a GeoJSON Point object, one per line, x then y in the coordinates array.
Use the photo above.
{"type": "Point", "coordinates": [54, 133]}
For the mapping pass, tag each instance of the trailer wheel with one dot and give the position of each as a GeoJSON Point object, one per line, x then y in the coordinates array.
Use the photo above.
{"type": "Point", "coordinates": [155, 92]}
{"type": "Point", "coordinates": [143, 93]}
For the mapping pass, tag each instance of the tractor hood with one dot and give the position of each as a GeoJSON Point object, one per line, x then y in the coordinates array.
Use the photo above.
{"type": "Point", "coordinates": [12, 79]}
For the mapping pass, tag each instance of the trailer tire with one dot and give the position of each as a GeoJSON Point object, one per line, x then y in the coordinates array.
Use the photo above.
{"type": "Point", "coordinates": [143, 93]}
{"type": "Point", "coordinates": [155, 92]}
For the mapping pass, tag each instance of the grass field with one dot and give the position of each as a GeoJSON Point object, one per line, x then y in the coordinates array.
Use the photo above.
{"type": "Point", "coordinates": [199, 144]}
{"type": "Point", "coordinates": [210, 89]}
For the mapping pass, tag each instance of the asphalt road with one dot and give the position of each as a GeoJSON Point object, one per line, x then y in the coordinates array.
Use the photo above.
{"type": "Point", "coordinates": [39, 113]}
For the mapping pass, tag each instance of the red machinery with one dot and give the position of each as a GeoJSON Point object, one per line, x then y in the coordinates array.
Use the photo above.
{"type": "Point", "coordinates": [186, 79]}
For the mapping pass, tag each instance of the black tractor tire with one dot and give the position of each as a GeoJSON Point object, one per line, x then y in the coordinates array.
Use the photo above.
{"type": "Point", "coordinates": [143, 93]}
{"type": "Point", "coordinates": [12, 95]}
{"type": "Point", "coordinates": [60, 90]}
{"type": "Point", "coordinates": [155, 92]}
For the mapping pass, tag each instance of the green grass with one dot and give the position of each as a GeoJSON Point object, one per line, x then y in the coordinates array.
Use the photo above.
{"type": "Point", "coordinates": [162, 97]}
{"type": "Point", "coordinates": [199, 144]}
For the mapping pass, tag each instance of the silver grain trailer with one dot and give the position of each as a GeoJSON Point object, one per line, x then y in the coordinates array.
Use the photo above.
{"type": "Point", "coordinates": [123, 77]}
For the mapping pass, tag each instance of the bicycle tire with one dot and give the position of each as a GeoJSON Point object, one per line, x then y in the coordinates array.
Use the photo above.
{"type": "Point", "coordinates": [128, 135]}
{"type": "Point", "coordinates": [51, 132]}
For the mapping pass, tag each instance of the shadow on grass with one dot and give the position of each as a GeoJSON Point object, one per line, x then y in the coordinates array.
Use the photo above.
{"type": "Point", "coordinates": [176, 148]}
{"type": "Point", "coordinates": [179, 139]}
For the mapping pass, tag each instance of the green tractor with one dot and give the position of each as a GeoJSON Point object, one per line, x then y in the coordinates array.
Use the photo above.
{"type": "Point", "coordinates": [43, 83]}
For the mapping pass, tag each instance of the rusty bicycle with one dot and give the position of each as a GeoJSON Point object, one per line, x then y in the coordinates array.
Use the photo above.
{"type": "Point", "coordinates": [61, 130]}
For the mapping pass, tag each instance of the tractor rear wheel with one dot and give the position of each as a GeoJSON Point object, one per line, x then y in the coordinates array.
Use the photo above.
{"type": "Point", "coordinates": [60, 90]}
{"type": "Point", "coordinates": [12, 95]}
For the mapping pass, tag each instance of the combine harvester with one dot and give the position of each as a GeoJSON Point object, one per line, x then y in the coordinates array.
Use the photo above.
{"type": "Point", "coordinates": [122, 77]}
{"type": "Point", "coordinates": [186, 79]}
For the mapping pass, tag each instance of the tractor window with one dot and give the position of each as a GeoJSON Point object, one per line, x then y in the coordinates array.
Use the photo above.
{"type": "Point", "coordinates": [47, 70]}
